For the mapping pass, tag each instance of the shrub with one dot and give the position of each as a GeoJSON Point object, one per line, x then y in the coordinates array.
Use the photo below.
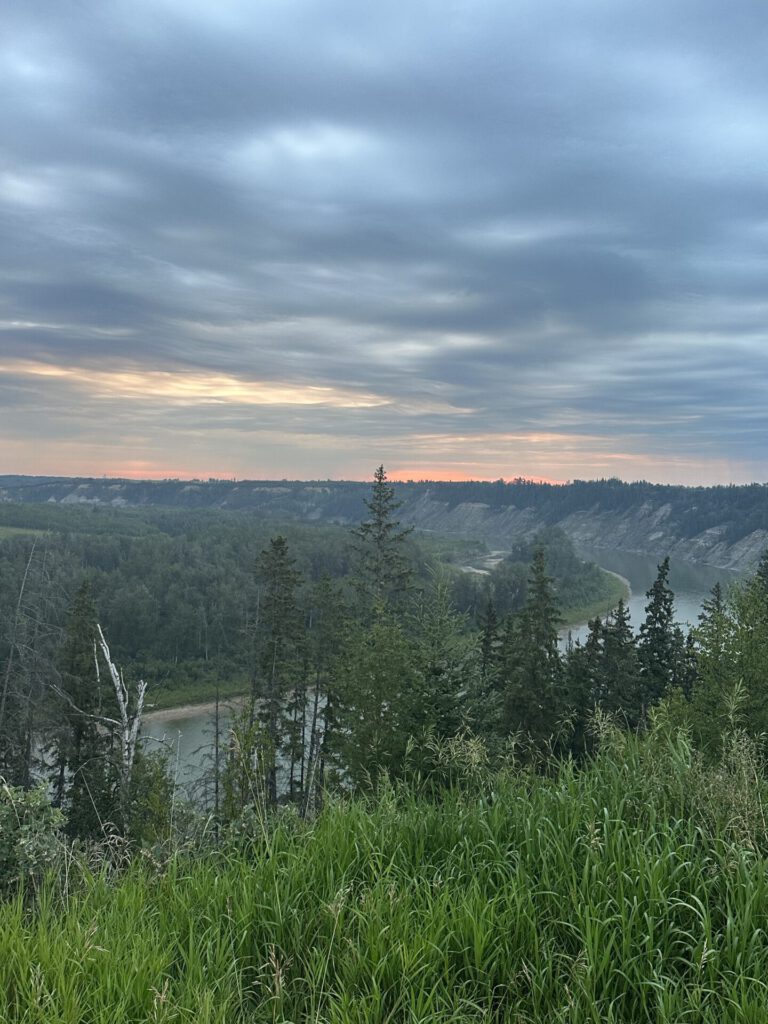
{"type": "Point", "coordinates": [29, 834]}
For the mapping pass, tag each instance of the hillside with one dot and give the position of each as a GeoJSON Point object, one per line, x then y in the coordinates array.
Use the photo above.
{"type": "Point", "coordinates": [725, 527]}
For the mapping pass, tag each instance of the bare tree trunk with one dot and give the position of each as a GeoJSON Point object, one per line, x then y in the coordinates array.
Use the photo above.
{"type": "Point", "coordinates": [129, 722]}
{"type": "Point", "coordinates": [216, 769]}
{"type": "Point", "coordinates": [303, 748]}
{"type": "Point", "coordinates": [273, 731]}
{"type": "Point", "coordinates": [253, 633]}
{"type": "Point", "coordinates": [14, 638]}
{"type": "Point", "coordinates": [292, 768]}
{"type": "Point", "coordinates": [314, 750]}
{"type": "Point", "coordinates": [33, 677]}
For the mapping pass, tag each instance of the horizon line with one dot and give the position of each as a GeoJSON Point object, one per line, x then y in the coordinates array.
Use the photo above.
{"type": "Point", "coordinates": [393, 478]}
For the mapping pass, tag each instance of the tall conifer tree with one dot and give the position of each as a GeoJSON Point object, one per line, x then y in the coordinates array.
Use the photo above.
{"type": "Point", "coordinates": [279, 655]}
{"type": "Point", "coordinates": [584, 682]}
{"type": "Point", "coordinates": [659, 647]}
{"type": "Point", "coordinates": [383, 572]}
{"type": "Point", "coordinates": [448, 661]}
{"type": "Point", "coordinates": [534, 693]}
{"type": "Point", "coordinates": [621, 690]}
{"type": "Point", "coordinates": [377, 684]}
{"type": "Point", "coordinates": [490, 643]}
{"type": "Point", "coordinates": [749, 606]}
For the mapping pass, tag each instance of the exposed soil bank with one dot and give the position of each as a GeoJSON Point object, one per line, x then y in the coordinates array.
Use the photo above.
{"type": "Point", "coordinates": [186, 710]}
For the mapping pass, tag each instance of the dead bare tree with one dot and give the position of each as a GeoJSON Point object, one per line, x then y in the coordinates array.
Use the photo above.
{"type": "Point", "coordinates": [127, 725]}
{"type": "Point", "coordinates": [13, 640]}
{"type": "Point", "coordinates": [130, 719]}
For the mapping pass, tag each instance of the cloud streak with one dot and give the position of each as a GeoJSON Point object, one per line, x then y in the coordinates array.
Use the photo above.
{"type": "Point", "coordinates": [297, 238]}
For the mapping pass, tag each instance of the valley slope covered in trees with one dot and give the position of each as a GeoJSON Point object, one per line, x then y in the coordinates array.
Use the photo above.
{"type": "Point", "coordinates": [177, 590]}
{"type": "Point", "coordinates": [725, 526]}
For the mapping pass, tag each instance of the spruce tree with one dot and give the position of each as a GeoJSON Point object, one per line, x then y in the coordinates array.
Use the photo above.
{"type": "Point", "coordinates": [279, 639]}
{"type": "Point", "coordinates": [684, 668]}
{"type": "Point", "coordinates": [749, 607]}
{"type": "Point", "coordinates": [533, 671]}
{"type": "Point", "coordinates": [449, 664]}
{"type": "Point", "coordinates": [485, 700]}
{"type": "Point", "coordinates": [621, 690]}
{"type": "Point", "coordinates": [383, 572]}
{"type": "Point", "coordinates": [377, 679]}
{"type": "Point", "coordinates": [659, 645]}
{"type": "Point", "coordinates": [584, 683]}
{"type": "Point", "coordinates": [490, 643]}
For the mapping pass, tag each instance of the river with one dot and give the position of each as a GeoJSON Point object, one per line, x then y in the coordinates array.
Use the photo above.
{"type": "Point", "coordinates": [691, 583]}
{"type": "Point", "coordinates": [187, 733]}
{"type": "Point", "coordinates": [187, 736]}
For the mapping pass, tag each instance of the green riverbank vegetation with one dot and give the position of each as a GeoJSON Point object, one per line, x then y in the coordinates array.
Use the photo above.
{"type": "Point", "coordinates": [176, 591]}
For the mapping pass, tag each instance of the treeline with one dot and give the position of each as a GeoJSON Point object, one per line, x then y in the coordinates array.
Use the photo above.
{"type": "Point", "coordinates": [350, 679]}
{"type": "Point", "coordinates": [171, 587]}
{"type": "Point", "coordinates": [737, 510]}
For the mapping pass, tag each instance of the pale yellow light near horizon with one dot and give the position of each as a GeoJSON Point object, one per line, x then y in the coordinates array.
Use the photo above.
{"type": "Point", "coordinates": [547, 454]}
{"type": "Point", "coordinates": [195, 387]}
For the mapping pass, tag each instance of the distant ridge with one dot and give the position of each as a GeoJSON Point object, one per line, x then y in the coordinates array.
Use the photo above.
{"type": "Point", "coordinates": [725, 526]}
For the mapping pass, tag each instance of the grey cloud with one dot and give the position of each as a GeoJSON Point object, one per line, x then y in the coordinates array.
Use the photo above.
{"type": "Point", "coordinates": [504, 197]}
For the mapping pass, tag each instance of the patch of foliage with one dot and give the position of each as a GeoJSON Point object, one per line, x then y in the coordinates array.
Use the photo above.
{"type": "Point", "coordinates": [30, 839]}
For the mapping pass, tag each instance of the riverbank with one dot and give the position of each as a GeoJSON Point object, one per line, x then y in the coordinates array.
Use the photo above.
{"type": "Point", "coordinates": [619, 589]}
{"type": "Point", "coordinates": [204, 707]}
{"type": "Point", "coordinates": [174, 700]}
{"type": "Point", "coordinates": [177, 703]}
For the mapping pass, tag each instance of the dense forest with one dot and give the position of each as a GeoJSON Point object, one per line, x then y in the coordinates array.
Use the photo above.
{"type": "Point", "coordinates": [176, 591]}
{"type": "Point", "coordinates": [737, 510]}
{"type": "Point", "coordinates": [426, 808]}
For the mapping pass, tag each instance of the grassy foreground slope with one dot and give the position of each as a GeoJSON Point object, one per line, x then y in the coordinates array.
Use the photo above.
{"type": "Point", "coordinates": [635, 890]}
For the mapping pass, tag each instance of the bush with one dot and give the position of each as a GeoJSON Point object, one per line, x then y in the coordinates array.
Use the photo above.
{"type": "Point", "coordinates": [29, 834]}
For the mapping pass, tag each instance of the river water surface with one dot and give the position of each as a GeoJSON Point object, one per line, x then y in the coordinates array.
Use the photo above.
{"type": "Point", "coordinates": [690, 583]}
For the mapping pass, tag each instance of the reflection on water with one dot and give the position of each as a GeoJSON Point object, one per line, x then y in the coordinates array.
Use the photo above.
{"type": "Point", "coordinates": [691, 583]}
{"type": "Point", "coordinates": [187, 737]}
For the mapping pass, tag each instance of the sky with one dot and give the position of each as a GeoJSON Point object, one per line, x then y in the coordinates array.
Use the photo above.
{"type": "Point", "coordinates": [466, 238]}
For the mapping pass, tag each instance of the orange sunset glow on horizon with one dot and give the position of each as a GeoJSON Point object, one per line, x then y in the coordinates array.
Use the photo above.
{"type": "Point", "coordinates": [237, 248]}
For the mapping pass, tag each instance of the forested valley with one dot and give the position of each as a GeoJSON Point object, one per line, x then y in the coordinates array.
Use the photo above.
{"type": "Point", "coordinates": [737, 509]}
{"type": "Point", "coordinates": [177, 592]}
{"type": "Point", "coordinates": [428, 806]}
{"type": "Point", "coordinates": [720, 525]}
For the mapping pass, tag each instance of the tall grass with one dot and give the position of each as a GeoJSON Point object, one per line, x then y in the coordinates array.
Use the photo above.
{"type": "Point", "coordinates": [633, 890]}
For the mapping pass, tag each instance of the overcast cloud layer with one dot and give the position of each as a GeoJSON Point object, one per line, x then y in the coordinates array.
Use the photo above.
{"type": "Point", "coordinates": [473, 238]}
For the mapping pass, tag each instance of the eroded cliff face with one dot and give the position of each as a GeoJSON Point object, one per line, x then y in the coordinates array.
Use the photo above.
{"type": "Point", "coordinates": [651, 532]}
{"type": "Point", "coordinates": [652, 520]}
{"type": "Point", "coordinates": [645, 530]}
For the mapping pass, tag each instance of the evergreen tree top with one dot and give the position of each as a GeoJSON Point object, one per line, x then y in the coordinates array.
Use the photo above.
{"type": "Point", "coordinates": [382, 571]}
